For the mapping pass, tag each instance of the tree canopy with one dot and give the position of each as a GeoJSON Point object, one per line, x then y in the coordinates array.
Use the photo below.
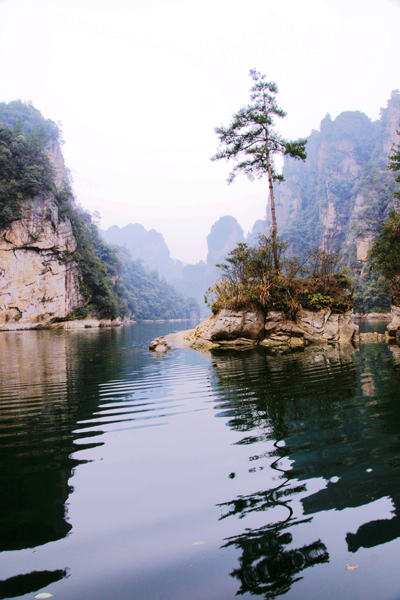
{"type": "Point", "coordinates": [25, 170]}
{"type": "Point", "coordinates": [252, 141]}
{"type": "Point", "coordinates": [385, 252]}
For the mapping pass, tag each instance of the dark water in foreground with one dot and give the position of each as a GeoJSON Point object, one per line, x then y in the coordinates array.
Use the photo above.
{"type": "Point", "coordinates": [194, 475]}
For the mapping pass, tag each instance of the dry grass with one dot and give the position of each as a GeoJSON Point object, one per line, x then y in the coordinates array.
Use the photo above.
{"type": "Point", "coordinates": [280, 292]}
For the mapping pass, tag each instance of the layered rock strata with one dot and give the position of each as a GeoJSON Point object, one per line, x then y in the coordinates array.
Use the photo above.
{"type": "Point", "coordinates": [247, 328]}
{"type": "Point", "coordinates": [38, 280]}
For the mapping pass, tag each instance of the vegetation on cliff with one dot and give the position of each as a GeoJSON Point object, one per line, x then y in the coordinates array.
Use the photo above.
{"type": "Point", "coordinates": [146, 295]}
{"type": "Point", "coordinates": [25, 170]}
{"type": "Point", "coordinates": [385, 252]}
{"type": "Point", "coordinates": [114, 285]}
{"type": "Point", "coordinates": [249, 280]}
{"type": "Point", "coordinates": [111, 283]}
{"type": "Point", "coordinates": [28, 119]}
{"type": "Point", "coordinates": [340, 197]}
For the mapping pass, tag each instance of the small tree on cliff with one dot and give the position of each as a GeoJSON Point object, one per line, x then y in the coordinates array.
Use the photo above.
{"type": "Point", "coordinates": [252, 140]}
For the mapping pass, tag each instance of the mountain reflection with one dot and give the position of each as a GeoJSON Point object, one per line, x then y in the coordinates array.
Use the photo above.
{"type": "Point", "coordinates": [336, 415]}
{"type": "Point", "coordinates": [50, 382]}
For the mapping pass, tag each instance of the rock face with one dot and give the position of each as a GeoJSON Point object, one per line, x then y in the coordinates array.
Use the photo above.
{"type": "Point", "coordinates": [241, 328]}
{"type": "Point", "coordinates": [231, 325]}
{"type": "Point", "coordinates": [393, 329]}
{"type": "Point", "coordinates": [335, 169]}
{"type": "Point", "coordinates": [38, 282]}
{"type": "Point", "coordinates": [337, 199]}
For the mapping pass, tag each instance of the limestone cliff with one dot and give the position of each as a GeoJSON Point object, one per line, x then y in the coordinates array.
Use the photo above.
{"type": "Point", "coordinates": [52, 258]}
{"type": "Point", "coordinates": [38, 281]}
{"type": "Point", "coordinates": [338, 199]}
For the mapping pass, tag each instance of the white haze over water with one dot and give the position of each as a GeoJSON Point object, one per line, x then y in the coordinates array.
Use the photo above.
{"type": "Point", "coordinates": [139, 86]}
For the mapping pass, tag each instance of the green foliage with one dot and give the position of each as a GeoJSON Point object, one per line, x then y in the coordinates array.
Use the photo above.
{"type": "Point", "coordinates": [371, 293]}
{"type": "Point", "coordinates": [385, 254]}
{"type": "Point", "coordinates": [394, 163]}
{"type": "Point", "coordinates": [97, 263]}
{"type": "Point", "coordinates": [25, 171]}
{"type": "Point", "coordinates": [25, 118]}
{"type": "Point", "coordinates": [251, 136]}
{"type": "Point", "coordinates": [249, 279]}
{"type": "Point", "coordinates": [252, 141]}
{"type": "Point", "coordinates": [318, 301]}
{"type": "Point", "coordinates": [144, 295]}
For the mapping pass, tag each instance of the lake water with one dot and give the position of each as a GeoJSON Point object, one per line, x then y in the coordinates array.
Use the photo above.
{"type": "Point", "coordinates": [194, 475]}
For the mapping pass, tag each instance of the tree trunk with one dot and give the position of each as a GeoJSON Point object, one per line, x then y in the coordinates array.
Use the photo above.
{"type": "Point", "coordinates": [274, 232]}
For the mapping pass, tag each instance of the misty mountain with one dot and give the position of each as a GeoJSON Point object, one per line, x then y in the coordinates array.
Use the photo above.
{"type": "Point", "coordinates": [259, 227]}
{"type": "Point", "coordinates": [338, 198]}
{"type": "Point", "coordinates": [148, 246]}
{"type": "Point", "coordinates": [191, 280]}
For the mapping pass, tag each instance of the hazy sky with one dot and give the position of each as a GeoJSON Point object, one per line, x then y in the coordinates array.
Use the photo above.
{"type": "Point", "coordinates": [139, 86]}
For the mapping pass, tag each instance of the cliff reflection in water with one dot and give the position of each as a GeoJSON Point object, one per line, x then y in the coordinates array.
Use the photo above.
{"type": "Point", "coordinates": [49, 384]}
{"type": "Point", "coordinates": [331, 413]}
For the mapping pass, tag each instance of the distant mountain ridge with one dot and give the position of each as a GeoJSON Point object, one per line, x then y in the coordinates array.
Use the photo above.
{"type": "Point", "coordinates": [191, 280]}
{"type": "Point", "coordinates": [146, 245]}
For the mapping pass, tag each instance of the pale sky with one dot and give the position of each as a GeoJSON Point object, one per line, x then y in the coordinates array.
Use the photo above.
{"type": "Point", "coordinates": [139, 86]}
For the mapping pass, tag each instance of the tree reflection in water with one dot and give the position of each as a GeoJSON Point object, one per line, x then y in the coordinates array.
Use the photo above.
{"type": "Point", "coordinates": [265, 566]}
{"type": "Point", "coordinates": [337, 414]}
{"type": "Point", "coordinates": [29, 583]}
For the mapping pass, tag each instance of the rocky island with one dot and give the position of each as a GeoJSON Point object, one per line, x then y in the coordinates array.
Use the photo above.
{"type": "Point", "coordinates": [244, 328]}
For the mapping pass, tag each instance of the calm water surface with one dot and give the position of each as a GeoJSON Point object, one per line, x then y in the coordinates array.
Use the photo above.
{"type": "Point", "coordinates": [196, 475]}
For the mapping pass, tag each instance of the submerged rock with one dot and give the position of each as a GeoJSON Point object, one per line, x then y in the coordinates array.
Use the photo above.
{"type": "Point", "coordinates": [372, 337]}
{"type": "Point", "coordinates": [159, 344]}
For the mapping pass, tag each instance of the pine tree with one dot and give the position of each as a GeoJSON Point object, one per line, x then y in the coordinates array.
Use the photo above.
{"type": "Point", "coordinates": [251, 139]}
